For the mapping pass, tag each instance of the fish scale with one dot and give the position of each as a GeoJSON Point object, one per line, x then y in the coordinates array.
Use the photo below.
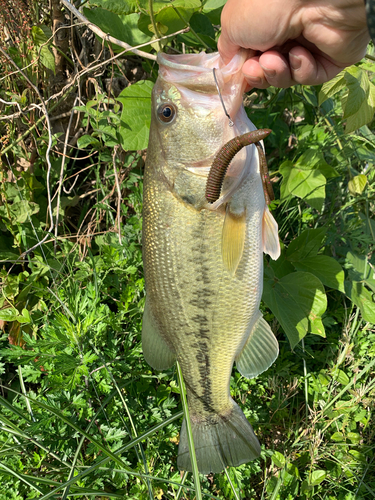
{"type": "Point", "coordinates": [203, 271]}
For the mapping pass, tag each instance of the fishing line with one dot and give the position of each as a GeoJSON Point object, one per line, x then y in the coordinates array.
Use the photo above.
{"type": "Point", "coordinates": [222, 100]}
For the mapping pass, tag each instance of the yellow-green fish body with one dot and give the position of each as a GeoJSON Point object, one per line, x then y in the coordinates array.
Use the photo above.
{"type": "Point", "coordinates": [203, 263]}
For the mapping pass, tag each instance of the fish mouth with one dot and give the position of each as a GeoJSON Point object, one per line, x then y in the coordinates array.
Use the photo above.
{"type": "Point", "coordinates": [195, 71]}
{"type": "Point", "coordinates": [202, 167]}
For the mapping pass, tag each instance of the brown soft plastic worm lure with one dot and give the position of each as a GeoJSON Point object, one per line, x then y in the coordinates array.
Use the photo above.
{"type": "Point", "coordinates": [225, 156]}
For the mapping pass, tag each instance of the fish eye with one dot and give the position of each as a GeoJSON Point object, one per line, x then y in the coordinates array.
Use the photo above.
{"type": "Point", "coordinates": [166, 112]}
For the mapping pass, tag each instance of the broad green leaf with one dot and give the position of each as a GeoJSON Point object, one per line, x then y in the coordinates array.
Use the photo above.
{"type": "Point", "coordinates": [187, 4]}
{"type": "Point", "coordinates": [328, 171]}
{"type": "Point", "coordinates": [144, 22]}
{"type": "Point", "coordinates": [159, 28]}
{"type": "Point", "coordinates": [358, 86]}
{"type": "Point", "coordinates": [285, 170]}
{"type": "Point", "coordinates": [193, 41]}
{"type": "Point", "coordinates": [122, 27]}
{"type": "Point", "coordinates": [308, 184]}
{"type": "Point", "coordinates": [362, 298]}
{"type": "Point", "coordinates": [316, 326]}
{"type": "Point", "coordinates": [326, 268]}
{"type": "Point", "coordinates": [306, 245]}
{"type": "Point", "coordinates": [214, 15]}
{"type": "Point", "coordinates": [213, 4]}
{"type": "Point", "coordinates": [313, 158]}
{"type": "Point", "coordinates": [136, 115]}
{"type": "Point", "coordinates": [357, 455]}
{"type": "Point", "coordinates": [357, 184]}
{"type": "Point", "coordinates": [47, 31]}
{"type": "Point", "coordinates": [47, 58]}
{"type": "Point", "coordinates": [317, 477]}
{"type": "Point", "coordinates": [169, 18]}
{"type": "Point", "coordinates": [293, 470]}
{"type": "Point", "coordinates": [9, 314]}
{"type": "Point", "coordinates": [337, 436]}
{"type": "Point", "coordinates": [305, 487]}
{"type": "Point", "coordinates": [359, 103]}
{"type": "Point", "coordinates": [309, 93]}
{"type": "Point", "coordinates": [363, 115]}
{"type": "Point", "coordinates": [280, 267]}
{"type": "Point", "coordinates": [8, 256]}
{"type": "Point", "coordinates": [38, 35]}
{"type": "Point", "coordinates": [362, 270]}
{"type": "Point", "coordinates": [341, 377]}
{"type": "Point", "coordinates": [10, 287]}
{"type": "Point", "coordinates": [19, 210]}
{"type": "Point", "coordinates": [369, 225]}
{"type": "Point", "coordinates": [204, 32]}
{"type": "Point", "coordinates": [116, 6]}
{"type": "Point", "coordinates": [26, 315]}
{"type": "Point", "coordinates": [354, 437]}
{"type": "Point", "coordinates": [202, 25]}
{"type": "Point", "coordinates": [330, 88]}
{"type": "Point", "coordinates": [297, 300]}
{"type": "Point", "coordinates": [160, 4]}
{"type": "Point", "coordinates": [86, 140]}
{"type": "Point", "coordinates": [278, 459]}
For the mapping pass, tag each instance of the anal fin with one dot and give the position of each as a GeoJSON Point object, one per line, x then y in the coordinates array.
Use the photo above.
{"type": "Point", "coordinates": [155, 350]}
{"type": "Point", "coordinates": [260, 350]}
{"type": "Point", "coordinates": [233, 239]}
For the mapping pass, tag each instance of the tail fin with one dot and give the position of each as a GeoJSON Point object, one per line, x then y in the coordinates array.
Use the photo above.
{"type": "Point", "coordinates": [229, 441]}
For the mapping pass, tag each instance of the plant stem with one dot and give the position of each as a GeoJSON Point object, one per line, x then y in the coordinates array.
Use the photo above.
{"type": "Point", "coordinates": [23, 389]}
{"type": "Point", "coordinates": [191, 29]}
{"type": "Point", "coordinates": [193, 458]}
{"type": "Point", "coordinates": [231, 485]}
{"type": "Point", "coordinates": [305, 377]}
{"type": "Point", "coordinates": [154, 24]}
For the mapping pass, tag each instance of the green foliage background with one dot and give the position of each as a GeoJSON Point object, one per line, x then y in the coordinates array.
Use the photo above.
{"type": "Point", "coordinates": [81, 413]}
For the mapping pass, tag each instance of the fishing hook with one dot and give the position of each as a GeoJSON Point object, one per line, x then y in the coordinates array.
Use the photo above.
{"type": "Point", "coordinates": [222, 100]}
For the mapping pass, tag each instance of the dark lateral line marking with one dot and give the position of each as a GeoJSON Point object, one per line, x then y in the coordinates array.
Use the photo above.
{"type": "Point", "coordinates": [226, 154]}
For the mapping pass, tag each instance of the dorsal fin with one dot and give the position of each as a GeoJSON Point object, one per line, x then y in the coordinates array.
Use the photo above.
{"type": "Point", "coordinates": [233, 239]}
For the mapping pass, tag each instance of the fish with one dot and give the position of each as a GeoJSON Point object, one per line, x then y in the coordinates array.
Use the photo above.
{"type": "Point", "coordinates": [203, 260]}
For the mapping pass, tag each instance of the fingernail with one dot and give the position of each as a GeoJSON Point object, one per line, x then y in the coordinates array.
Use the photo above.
{"type": "Point", "coordinates": [295, 62]}
{"type": "Point", "coordinates": [270, 73]}
{"type": "Point", "coordinates": [253, 81]}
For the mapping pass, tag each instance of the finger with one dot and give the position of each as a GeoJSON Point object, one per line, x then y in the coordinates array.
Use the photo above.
{"type": "Point", "coordinates": [254, 74]}
{"type": "Point", "coordinates": [311, 69]}
{"type": "Point", "coordinates": [270, 68]}
{"type": "Point", "coordinates": [226, 48]}
{"type": "Point", "coordinates": [276, 69]}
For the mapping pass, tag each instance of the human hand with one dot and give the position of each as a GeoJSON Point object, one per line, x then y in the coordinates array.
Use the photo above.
{"type": "Point", "coordinates": [294, 41]}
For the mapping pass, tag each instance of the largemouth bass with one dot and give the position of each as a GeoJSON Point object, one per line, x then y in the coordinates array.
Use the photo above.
{"type": "Point", "coordinates": [204, 261]}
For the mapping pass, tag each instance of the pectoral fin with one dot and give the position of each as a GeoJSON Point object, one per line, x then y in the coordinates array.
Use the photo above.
{"type": "Point", "coordinates": [260, 350]}
{"type": "Point", "coordinates": [155, 350]}
{"type": "Point", "coordinates": [270, 235]}
{"type": "Point", "coordinates": [233, 239]}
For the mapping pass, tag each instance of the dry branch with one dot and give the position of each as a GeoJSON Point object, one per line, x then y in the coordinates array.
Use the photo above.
{"type": "Point", "coordinates": [105, 36]}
